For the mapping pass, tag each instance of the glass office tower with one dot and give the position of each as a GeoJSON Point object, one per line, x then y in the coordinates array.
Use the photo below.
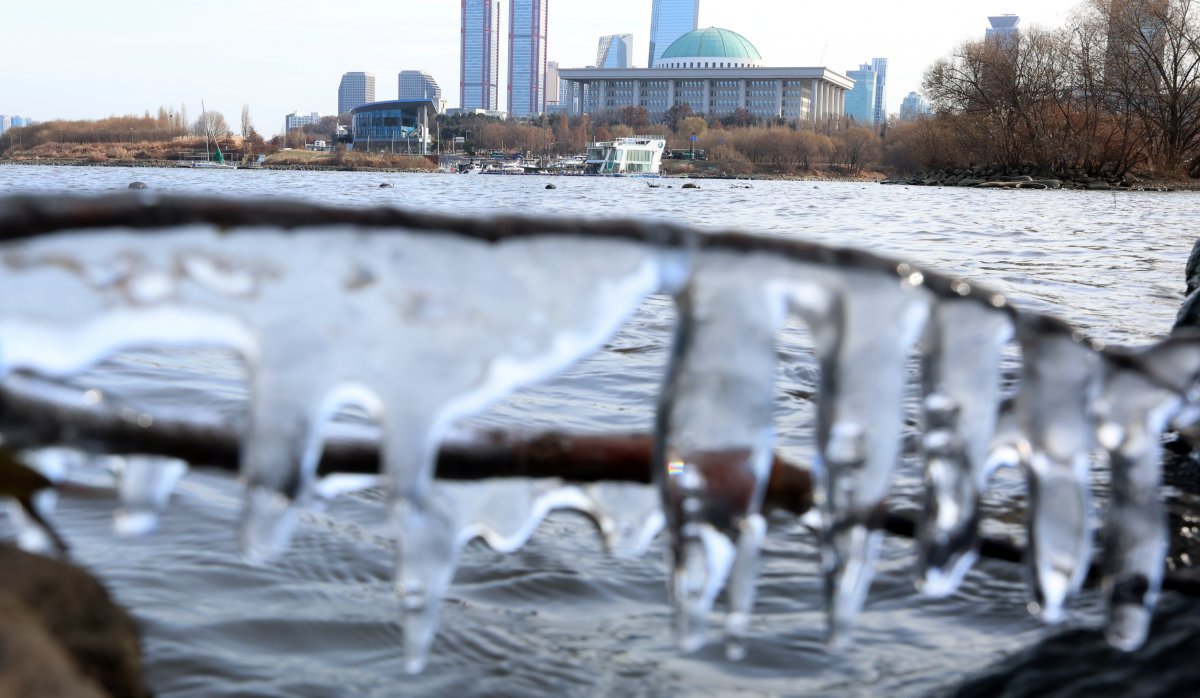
{"type": "Point", "coordinates": [418, 84]}
{"type": "Point", "coordinates": [879, 65]}
{"type": "Point", "coordinates": [615, 51]}
{"type": "Point", "coordinates": [355, 90]}
{"type": "Point", "coordinates": [527, 57]}
{"type": "Point", "coordinates": [479, 62]}
{"type": "Point", "coordinates": [860, 101]}
{"type": "Point", "coordinates": [669, 20]}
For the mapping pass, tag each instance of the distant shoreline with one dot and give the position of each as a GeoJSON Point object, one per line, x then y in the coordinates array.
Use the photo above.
{"type": "Point", "coordinates": [864, 177]}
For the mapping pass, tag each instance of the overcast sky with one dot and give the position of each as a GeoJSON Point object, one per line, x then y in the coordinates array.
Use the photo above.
{"type": "Point", "coordinates": [83, 59]}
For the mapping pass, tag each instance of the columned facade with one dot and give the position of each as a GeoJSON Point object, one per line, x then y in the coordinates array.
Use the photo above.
{"type": "Point", "coordinates": [806, 94]}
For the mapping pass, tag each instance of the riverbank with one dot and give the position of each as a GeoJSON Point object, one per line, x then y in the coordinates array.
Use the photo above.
{"type": "Point", "coordinates": [283, 160]}
{"type": "Point", "coordinates": [1030, 178]}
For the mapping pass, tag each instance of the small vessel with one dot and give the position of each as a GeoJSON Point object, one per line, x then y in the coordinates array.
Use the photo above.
{"type": "Point", "coordinates": [632, 156]}
{"type": "Point", "coordinates": [211, 161]}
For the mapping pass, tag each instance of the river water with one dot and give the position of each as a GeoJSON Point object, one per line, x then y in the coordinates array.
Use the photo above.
{"type": "Point", "coordinates": [559, 617]}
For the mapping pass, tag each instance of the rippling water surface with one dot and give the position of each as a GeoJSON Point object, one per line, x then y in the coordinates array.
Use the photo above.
{"type": "Point", "coordinates": [559, 617]}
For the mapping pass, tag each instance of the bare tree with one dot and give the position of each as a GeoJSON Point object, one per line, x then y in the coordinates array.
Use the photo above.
{"type": "Point", "coordinates": [1152, 70]}
{"type": "Point", "coordinates": [247, 124]}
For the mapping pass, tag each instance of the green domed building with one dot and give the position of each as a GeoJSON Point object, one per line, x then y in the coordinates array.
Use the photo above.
{"type": "Point", "coordinates": [711, 47]}
{"type": "Point", "coordinates": [714, 71]}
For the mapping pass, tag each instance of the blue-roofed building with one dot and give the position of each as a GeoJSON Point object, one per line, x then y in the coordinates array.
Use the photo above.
{"type": "Point", "coordinates": [396, 126]}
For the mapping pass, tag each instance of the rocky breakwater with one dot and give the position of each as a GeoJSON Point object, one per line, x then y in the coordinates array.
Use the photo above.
{"type": "Point", "coordinates": [1028, 178]}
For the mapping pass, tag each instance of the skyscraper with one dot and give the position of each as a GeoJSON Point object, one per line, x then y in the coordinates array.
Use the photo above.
{"type": "Point", "coordinates": [1003, 29]}
{"type": "Point", "coordinates": [860, 101]}
{"type": "Point", "coordinates": [527, 57]}
{"type": "Point", "coordinates": [417, 84]}
{"type": "Point", "coordinates": [355, 90]}
{"type": "Point", "coordinates": [669, 20]}
{"type": "Point", "coordinates": [879, 65]}
{"type": "Point", "coordinates": [479, 62]}
{"type": "Point", "coordinates": [615, 51]}
{"type": "Point", "coordinates": [913, 107]}
{"type": "Point", "coordinates": [552, 86]}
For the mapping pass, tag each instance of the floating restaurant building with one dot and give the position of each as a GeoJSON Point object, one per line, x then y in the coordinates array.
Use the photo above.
{"type": "Point", "coordinates": [715, 72]}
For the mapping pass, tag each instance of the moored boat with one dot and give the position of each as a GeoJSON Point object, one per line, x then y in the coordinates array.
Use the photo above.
{"type": "Point", "coordinates": [634, 156]}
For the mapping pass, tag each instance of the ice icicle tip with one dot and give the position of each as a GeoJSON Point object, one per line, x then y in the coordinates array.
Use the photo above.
{"type": "Point", "coordinates": [145, 484]}
{"type": "Point", "coordinates": [269, 518]}
{"type": "Point", "coordinates": [752, 529]}
{"type": "Point", "coordinates": [426, 555]}
{"type": "Point", "coordinates": [628, 515]}
{"type": "Point", "coordinates": [705, 557]}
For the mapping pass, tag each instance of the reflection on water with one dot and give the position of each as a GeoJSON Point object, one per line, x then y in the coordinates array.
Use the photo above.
{"type": "Point", "coordinates": [558, 617]}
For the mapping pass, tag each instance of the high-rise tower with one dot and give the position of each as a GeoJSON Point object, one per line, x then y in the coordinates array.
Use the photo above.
{"type": "Point", "coordinates": [527, 57]}
{"type": "Point", "coordinates": [879, 65]}
{"type": "Point", "coordinates": [615, 51]}
{"type": "Point", "coordinates": [479, 62]}
{"type": "Point", "coordinates": [1004, 28]}
{"type": "Point", "coordinates": [669, 20]}
{"type": "Point", "coordinates": [355, 90]}
{"type": "Point", "coordinates": [417, 84]}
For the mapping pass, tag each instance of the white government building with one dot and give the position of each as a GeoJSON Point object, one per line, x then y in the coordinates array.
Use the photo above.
{"type": "Point", "coordinates": [714, 71]}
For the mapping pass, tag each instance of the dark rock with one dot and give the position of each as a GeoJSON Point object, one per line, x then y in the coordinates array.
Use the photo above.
{"type": "Point", "coordinates": [75, 610]}
{"type": "Point", "coordinates": [33, 662]}
{"type": "Point", "coordinates": [137, 185]}
{"type": "Point", "coordinates": [690, 185]}
{"type": "Point", "coordinates": [551, 186]}
{"type": "Point", "coordinates": [385, 185]}
{"type": "Point", "coordinates": [1098, 186]}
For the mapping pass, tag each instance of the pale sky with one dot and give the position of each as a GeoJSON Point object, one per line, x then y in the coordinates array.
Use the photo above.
{"type": "Point", "coordinates": [84, 59]}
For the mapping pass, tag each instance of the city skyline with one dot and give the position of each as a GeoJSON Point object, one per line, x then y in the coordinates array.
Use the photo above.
{"type": "Point", "coordinates": [99, 64]}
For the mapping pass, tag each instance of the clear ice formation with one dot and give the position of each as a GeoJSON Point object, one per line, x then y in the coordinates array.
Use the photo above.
{"type": "Point", "coordinates": [961, 377]}
{"type": "Point", "coordinates": [1058, 384]}
{"type": "Point", "coordinates": [420, 328]}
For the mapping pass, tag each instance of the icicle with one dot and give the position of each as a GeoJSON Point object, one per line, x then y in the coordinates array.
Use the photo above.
{"type": "Point", "coordinates": [863, 337]}
{"type": "Point", "coordinates": [714, 440]}
{"type": "Point", "coordinates": [1135, 403]}
{"type": "Point", "coordinates": [962, 388]}
{"type": "Point", "coordinates": [484, 327]}
{"type": "Point", "coordinates": [1058, 383]}
{"type": "Point", "coordinates": [144, 484]}
{"type": "Point", "coordinates": [504, 513]}
{"type": "Point", "coordinates": [629, 516]}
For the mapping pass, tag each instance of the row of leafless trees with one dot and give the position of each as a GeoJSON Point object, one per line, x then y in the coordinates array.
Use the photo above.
{"type": "Point", "coordinates": [165, 125]}
{"type": "Point", "coordinates": [1117, 87]}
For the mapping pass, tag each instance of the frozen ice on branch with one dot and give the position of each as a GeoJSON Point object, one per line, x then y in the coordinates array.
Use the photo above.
{"type": "Point", "coordinates": [422, 320]}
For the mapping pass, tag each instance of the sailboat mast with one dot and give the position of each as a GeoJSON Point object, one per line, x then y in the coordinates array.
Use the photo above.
{"type": "Point", "coordinates": [204, 123]}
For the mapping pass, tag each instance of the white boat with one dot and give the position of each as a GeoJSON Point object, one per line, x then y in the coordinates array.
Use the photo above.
{"type": "Point", "coordinates": [633, 156]}
{"type": "Point", "coordinates": [210, 162]}
{"type": "Point", "coordinates": [211, 165]}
